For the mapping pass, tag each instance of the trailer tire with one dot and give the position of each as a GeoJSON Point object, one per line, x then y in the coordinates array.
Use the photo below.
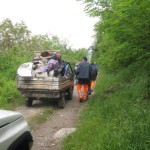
{"type": "Point", "coordinates": [62, 101]}
{"type": "Point", "coordinates": [69, 93]}
{"type": "Point", "coordinates": [28, 102]}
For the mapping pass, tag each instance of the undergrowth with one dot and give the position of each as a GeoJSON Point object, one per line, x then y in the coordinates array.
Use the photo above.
{"type": "Point", "coordinates": [117, 117]}
{"type": "Point", "coordinates": [10, 97]}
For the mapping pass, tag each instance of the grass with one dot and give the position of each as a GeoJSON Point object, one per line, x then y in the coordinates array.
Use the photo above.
{"type": "Point", "coordinates": [10, 97]}
{"type": "Point", "coordinates": [37, 120]}
{"type": "Point", "coordinates": [117, 118]}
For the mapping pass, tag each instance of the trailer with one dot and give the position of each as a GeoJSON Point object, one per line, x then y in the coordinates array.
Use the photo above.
{"type": "Point", "coordinates": [44, 86]}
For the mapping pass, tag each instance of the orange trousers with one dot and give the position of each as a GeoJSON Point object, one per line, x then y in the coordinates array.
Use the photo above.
{"type": "Point", "coordinates": [82, 91]}
{"type": "Point", "coordinates": [93, 85]}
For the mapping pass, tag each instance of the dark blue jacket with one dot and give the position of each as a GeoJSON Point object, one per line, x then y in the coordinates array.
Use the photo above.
{"type": "Point", "coordinates": [84, 70]}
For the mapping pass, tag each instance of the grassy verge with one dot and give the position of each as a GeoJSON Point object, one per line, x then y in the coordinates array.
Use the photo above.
{"type": "Point", "coordinates": [10, 97]}
{"type": "Point", "coordinates": [117, 117]}
{"type": "Point", "coordinates": [38, 119]}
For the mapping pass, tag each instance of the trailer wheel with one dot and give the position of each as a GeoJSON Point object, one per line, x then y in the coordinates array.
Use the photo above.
{"type": "Point", "coordinates": [28, 102]}
{"type": "Point", "coordinates": [62, 101]}
{"type": "Point", "coordinates": [69, 93]}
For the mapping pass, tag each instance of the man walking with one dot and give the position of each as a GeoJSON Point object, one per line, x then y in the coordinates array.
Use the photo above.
{"type": "Point", "coordinates": [76, 66]}
{"type": "Point", "coordinates": [93, 75]}
{"type": "Point", "coordinates": [84, 75]}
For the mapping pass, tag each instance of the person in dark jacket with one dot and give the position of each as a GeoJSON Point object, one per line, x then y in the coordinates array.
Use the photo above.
{"type": "Point", "coordinates": [75, 69]}
{"type": "Point", "coordinates": [84, 77]}
{"type": "Point", "coordinates": [93, 75]}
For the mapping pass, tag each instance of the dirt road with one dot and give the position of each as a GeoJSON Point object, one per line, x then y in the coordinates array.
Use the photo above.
{"type": "Point", "coordinates": [63, 119]}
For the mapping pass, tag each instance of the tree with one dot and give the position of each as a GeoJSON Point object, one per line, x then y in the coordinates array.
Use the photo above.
{"type": "Point", "coordinates": [13, 35]}
{"type": "Point", "coordinates": [122, 34]}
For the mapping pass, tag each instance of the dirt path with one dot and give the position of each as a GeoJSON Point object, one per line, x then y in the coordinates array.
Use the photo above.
{"type": "Point", "coordinates": [45, 137]}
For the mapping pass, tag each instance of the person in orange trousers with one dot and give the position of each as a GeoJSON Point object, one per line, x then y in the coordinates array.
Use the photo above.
{"type": "Point", "coordinates": [83, 73]}
{"type": "Point", "coordinates": [82, 91]}
{"type": "Point", "coordinates": [94, 75]}
{"type": "Point", "coordinates": [93, 85]}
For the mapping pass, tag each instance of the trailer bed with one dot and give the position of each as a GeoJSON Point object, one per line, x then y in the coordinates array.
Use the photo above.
{"type": "Point", "coordinates": [42, 83]}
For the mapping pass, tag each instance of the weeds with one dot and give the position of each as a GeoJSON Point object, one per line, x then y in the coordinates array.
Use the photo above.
{"type": "Point", "coordinates": [38, 119]}
{"type": "Point", "coordinates": [10, 97]}
{"type": "Point", "coordinates": [117, 117]}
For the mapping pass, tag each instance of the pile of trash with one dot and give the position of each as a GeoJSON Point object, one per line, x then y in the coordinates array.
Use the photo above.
{"type": "Point", "coordinates": [44, 64]}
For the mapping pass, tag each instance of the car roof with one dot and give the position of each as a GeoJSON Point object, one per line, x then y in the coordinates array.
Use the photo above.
{"type": "Point", "coordinates": [6, 117]}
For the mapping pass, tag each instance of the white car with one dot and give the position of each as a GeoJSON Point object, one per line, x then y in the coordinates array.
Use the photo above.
{"type": "Point", "coordinates": [14, 131]}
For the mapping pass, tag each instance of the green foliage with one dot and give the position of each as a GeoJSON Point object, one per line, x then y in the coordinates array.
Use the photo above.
{"type": "Point", "coordinates": [73, 56]}
{"type": "Point", "coordinates": [10, 63]}
{"type": "Point", "coordinates": [9, 94]}
{"type": "Point", "coordinates": [12, 35]}
{"type": "Point", "coordinates": [96, 7]}
{"type": "Point", "coordinates": [122, 34]}
{"type": "Point", "coordinates": [17, 38]}
{"type": "Point", "coordinates": [44, 42]}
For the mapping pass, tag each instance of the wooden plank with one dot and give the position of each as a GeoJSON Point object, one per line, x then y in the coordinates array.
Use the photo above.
{"type": "Point", "coordinates": [43, 87]}
{"type": "Point", "coordinates": [38, 83]}
{"type": "Point", "coordinates": [38, 79]}
{"type": "Point", "coordinates": [38, 87]}
{"type": "Point", "coordinates": [50, 83]}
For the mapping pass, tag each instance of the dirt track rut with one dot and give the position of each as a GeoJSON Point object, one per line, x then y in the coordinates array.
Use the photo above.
{"type": "Point", "coordinates": [62, 118]}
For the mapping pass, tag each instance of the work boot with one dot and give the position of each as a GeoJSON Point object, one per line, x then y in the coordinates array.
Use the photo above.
{"type": "Point", "coordinates": [81, 99]}
{"type": "Point", "coordinates": [89, 91]}
{"type": "Point", "coordinates": [85, 99]}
